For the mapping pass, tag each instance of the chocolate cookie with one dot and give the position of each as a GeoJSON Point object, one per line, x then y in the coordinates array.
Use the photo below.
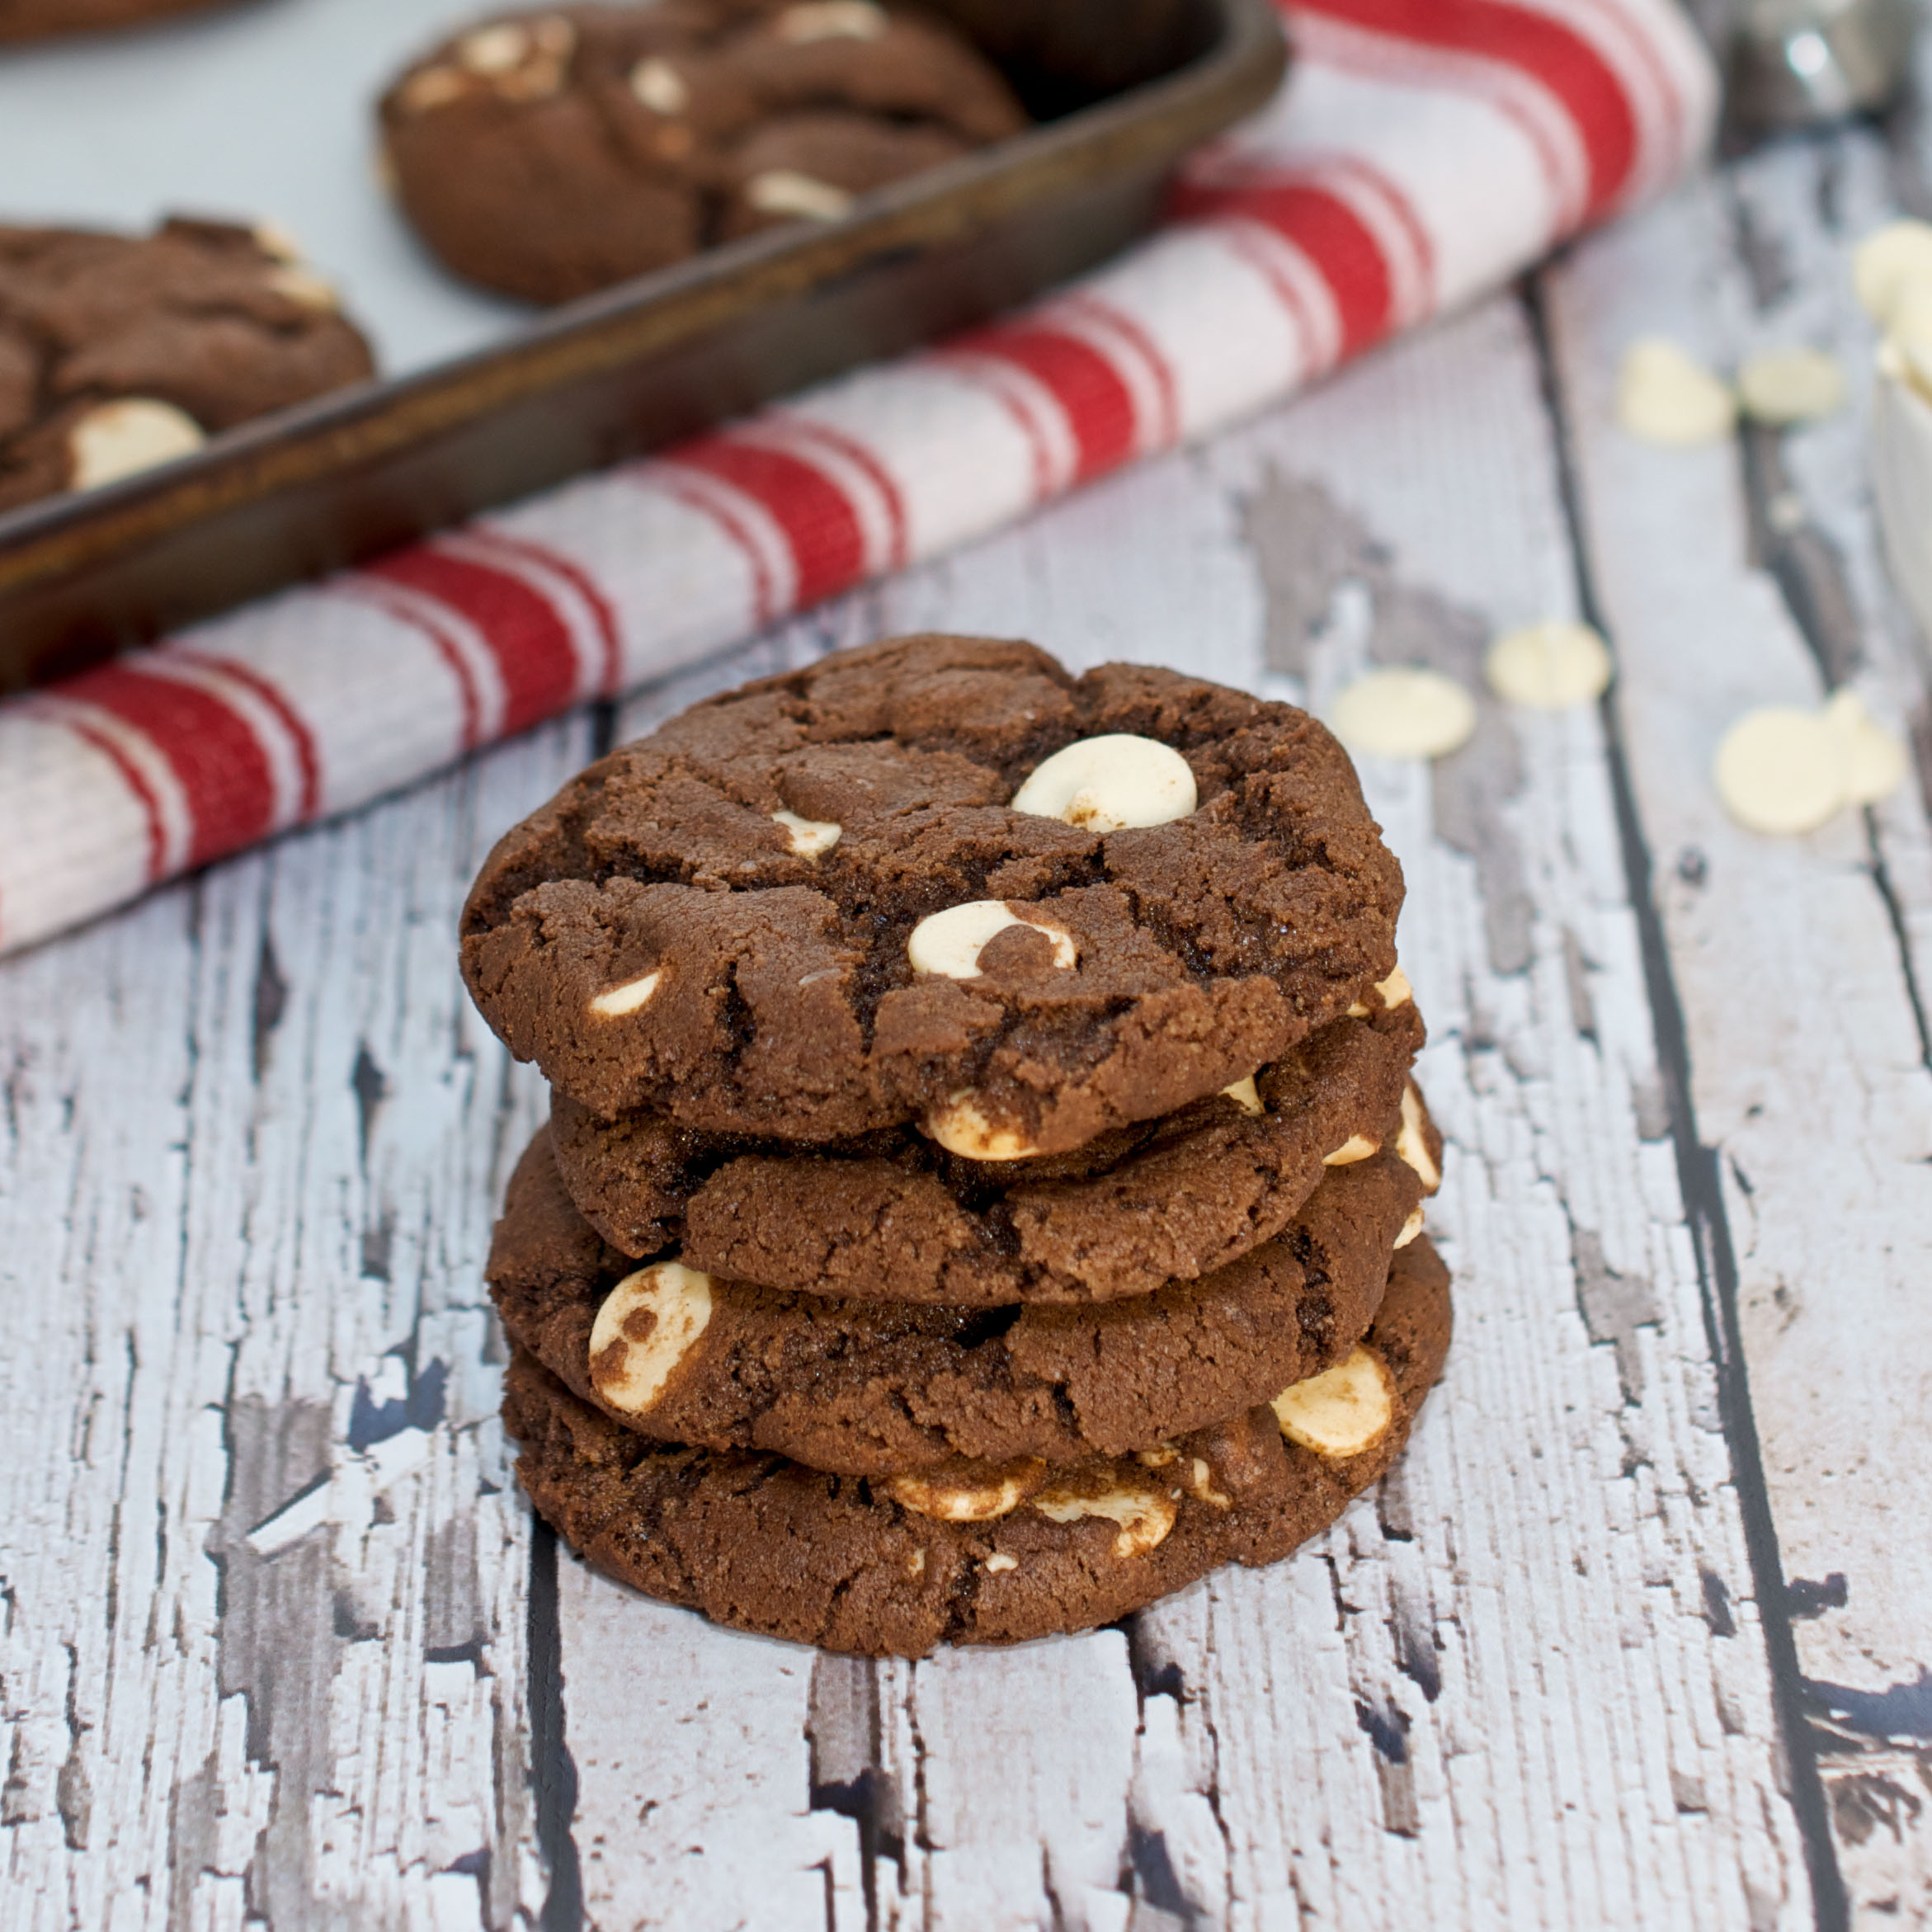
{"type": "Point", "coordinates": [985, 1555]}
{"type": "Point", "coordinates": [874, 1388]}
{"type": "Point", "coordinates": [940, 879]}
{"type": "Point", "coordinates": [43, 20]}
{"type": "Point", "coordinates": [893, 1217]}
{"type": "Point", "coordinates": [548, 154]}
{"type": "Point", "coordinates": [119, 352]}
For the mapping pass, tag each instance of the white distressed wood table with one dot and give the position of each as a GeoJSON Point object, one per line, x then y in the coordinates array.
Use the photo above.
{"type": "Point", "coordinates": [1637, 1635]}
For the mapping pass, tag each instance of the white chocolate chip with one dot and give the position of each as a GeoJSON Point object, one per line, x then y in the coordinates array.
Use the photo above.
{"type": "Point", "coordinates": [1412, 1144]}
{"type": "Point", "coordinates": [1886, 262]}
{"type": "Point", "coordinates": [274, 237]}
{"type": "Point", "coordinates": [1411, 1228]}
{"type": "Point", "coordinates": [809, 837]}
{"type": "Point", "coordinates": [1548, 667]}
{"type": "Point", "coordinates": [999, 1562]}
{"type": "Point", "coordinates": [119, 438]}
{"type": "Point", "coordinates": [1781, 770]}
{"type": "Point", "coordinates": [1357, 1146]}
{"type": "Point", "coordinates": [1341, 1412]}
{"type": "Point", "coordinates": [1791, 386]}
{"type": "Point", "coordinates": [494, 50]}
{"type": "Point", "coordinates": [1144, 1515]}
{"type": "Point", "coordinates": [916, 1563]}
{"type": "Point", "coordinates": [1109, 783]}
{"type": "Point", "coordinates": [832, 20]}
{"type": "Point", "coordinates": [660, 87]}
{"type": "Point", "coordinates": [616, 1001]}
{"type": "Point", "coordinates": [1393, 991]}
{"type": "Point", "coordinates": [784, 190]}
{"type": "Point", "coordinates": [1403, 711]}
{"type": "Point", "coordinates": [1163, 1455]}
{"type": "Point", "coordinates": [961, 1129]}
{"type": "Point", "coordinates": [305, 288]}
{"type": "Point", "coordinates": [1246, 1095]}
{"type": "Point", "coordinates": [432, 87]}
{"type": "Point", "coordinates": [1200, 1484]}
{"type": "Point", "coordinates": [1664, 396]}
{"type": "Point", "coordinates": [1878, 760]}
{"type": "Point", "coordinates": [949, 943]}
{"type": "Point", "coordinates": [985, 1495]}
{"type": "Point", "coordinates": [648, 1323]}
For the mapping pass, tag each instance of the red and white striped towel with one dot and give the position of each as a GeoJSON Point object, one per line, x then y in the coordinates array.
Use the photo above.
{"type": "Point", "coordinates": [1421, 152]}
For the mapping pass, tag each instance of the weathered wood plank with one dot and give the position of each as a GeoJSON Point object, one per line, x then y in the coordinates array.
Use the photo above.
{"type": "Point", "coordinates": [1526, 1685]}
{"type": "Point", "coordinates": [1733, 577]}
{"type": "Point", "coordinates": [263, 1652]}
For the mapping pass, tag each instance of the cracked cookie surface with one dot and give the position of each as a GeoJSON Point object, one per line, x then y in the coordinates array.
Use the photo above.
{"type": "Point", "coordinates": [894, 1216]}
{"type": "Point", "coordinates": [762, 1544]}
{"type": "Point", "coordinates": [118, 351]}
{"type": "Point", "coordinates": [876, 1388]}
{"type": "Point", "coordinates": [716, 923]}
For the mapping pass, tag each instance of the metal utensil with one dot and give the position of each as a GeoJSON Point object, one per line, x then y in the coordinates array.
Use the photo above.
{"type": "Point", "coordinates": [1796, 63]}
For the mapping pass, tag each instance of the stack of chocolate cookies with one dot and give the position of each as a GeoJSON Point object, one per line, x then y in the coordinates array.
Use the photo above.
{"type": "Point", "coordinates": [984, 1185]}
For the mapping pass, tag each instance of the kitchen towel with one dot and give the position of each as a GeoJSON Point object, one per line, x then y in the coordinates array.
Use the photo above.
{"type": "Point", "coordinates": [1421, 152]}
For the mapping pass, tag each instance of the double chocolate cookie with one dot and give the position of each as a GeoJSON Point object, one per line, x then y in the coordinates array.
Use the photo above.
{"type": "Point", "coordinates": [118, 352]}
{"type": "Point", "coordinates": [551, 153]}
{"type": "Point", "coordinates": [985, 1555]}
{"type": "Point", "coordinates": [893, 1216]}
{"type": "Point", "coordinates": [884, 1388]}
{"type": "Point", "coordinates": [940, 880]}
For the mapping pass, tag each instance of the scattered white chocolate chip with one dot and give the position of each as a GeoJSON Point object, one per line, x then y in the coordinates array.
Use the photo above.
{"type": "Point", "coordinates": [784, 190]}
{"type": "Point", "coordinates": [980, 1498]}
{"type": "Point", "coordinates": [1145, 1515]}
{"type": "Point", "coordinates": [809, 836]}
{"type": "Point", "coordinates": [961, 1129]}
{"type": "Point", "coordinates": [1791, 386]}
{"type": "Point", "coordinates": [999, 1562]}
{"type": "Point", "coordinates": [1110, 784]}
{"type": "Point", "coordinates": [432, 87]}
{"type": "Point", "coordinates": [1163, 1455]}
{"type": "Point", "coordinates": [1411, 1228]}
{"type": "Point", "coordinates": [1342, 1412]}
{"type": "Point", "coordinates": [647, 1325]}
{"type": "Point", "coordinates": [659, 86]}
{"type": "Point", "coordinates": [1412, 1144]}
{"type": "Point", "coordinates": [832, 20]}
{"type": "Point", "coordinates": [1664, 396]}
{"type": "Point", "coordinates": [1782, 769]}
{"type": "Point", "coordinates": [1357, 1146]}
{"type": "Point", "coordinates": [495, 48]}
{"type": "Point", "coordinates": [1246, 1095]}
{"type": "Point", "coordinates": [305, 288]}
{"type": "Point", "coordinates": [949, 943]}
{"type": "Point", "coordinates": [119, 438]}
{"type": "Point", "coordinates": [275, 238]}
{"type": "Point", "coordinates": [616, 1001]}
{"type": "Point", "coordinates": [1878, 760]}
{"type": "Point", "coordinates": [1403, 711]}
{"type": "Point", "coordinates": [1886, 262]}
{"type": "Point", "coordinates": [1548, 667]}
{"type": "Point", "coordinates": [916, 1563]}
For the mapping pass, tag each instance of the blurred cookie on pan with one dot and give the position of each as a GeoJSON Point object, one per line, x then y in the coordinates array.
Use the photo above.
{"type": "Point", "coordinates": [119, 352]}
{"type": "Point", "coordinates": [46, 20]}
{"type": "Point", "coordinates": [549, 154]}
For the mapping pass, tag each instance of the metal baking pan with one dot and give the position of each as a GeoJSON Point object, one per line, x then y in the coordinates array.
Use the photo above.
{"type": "Point", "coordinates": [1123, 89]}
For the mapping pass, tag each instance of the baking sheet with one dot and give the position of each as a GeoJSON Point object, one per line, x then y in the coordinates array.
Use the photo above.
{"type": "Point", "coordinates": [264, 109]}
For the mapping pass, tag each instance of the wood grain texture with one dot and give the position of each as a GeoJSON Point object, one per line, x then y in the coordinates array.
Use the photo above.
{"type": "Point", "coordinates": [279, 1646]}
{"type": "Point", "coordinates": [1797, 961]}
